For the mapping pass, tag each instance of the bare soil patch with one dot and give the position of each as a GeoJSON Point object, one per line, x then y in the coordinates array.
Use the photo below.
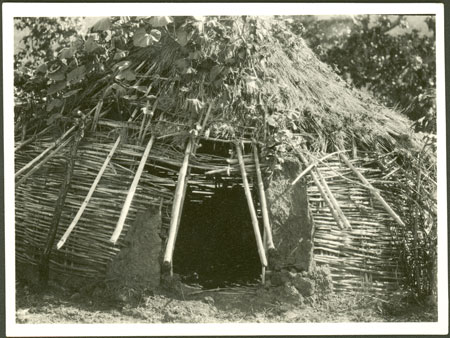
{"type": "Point", "coordinates": [250, 304]}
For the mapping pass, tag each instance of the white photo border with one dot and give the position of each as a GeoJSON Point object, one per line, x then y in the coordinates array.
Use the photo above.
{"type": "Point", "coordinates": [11, 10]}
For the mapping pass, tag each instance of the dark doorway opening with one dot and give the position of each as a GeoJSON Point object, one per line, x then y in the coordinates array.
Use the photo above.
{"type": "Point", "coordinates": [216, 245]}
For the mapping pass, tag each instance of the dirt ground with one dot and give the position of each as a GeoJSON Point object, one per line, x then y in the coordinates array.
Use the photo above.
{"type": "Point", "coordinates": [249, 304]}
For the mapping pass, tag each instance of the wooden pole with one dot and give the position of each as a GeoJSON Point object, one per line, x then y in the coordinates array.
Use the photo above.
{"type": "Point", "coordinates": [251, 207]}
{"type": "Point", "coordinates": [333, 200]}
{"type": "Point", "coordinates": [31, 139]}
{"type": "Point", "coordinates": [263, 275]}
{"type": "Point", "coordinates": [327, 200]}
{"type": "Point", "coordinates": [37, 158]}
{"type": "Point", "coordinates": [45, 257]}
{"type": "Point", "coordinates": [263, 268]}
{"type": "Point", "coordinates": [88, 196]}
{"type": "Point", "coordinates": [141, 130]}
{"type": "Point", "coordinates": [98, 109]}
{"type": "Point", "coordinates": [147, 126]}
{"type": "Point", "coordinates": [263, 201]}
{"type": "Point", "coordinates": [131, 192]}
{"type": "Point", "coordinates": [180, 195]}
{"type": "Point", "coordinates": [267, 231]}
{"type": "Point", "coordinates": [312, 165]}
{"type": "Point", "coordinates": [176, 208]}
{"type": "Point", "coordinates": [374, 191]}
{"type": "Point", "coordinates": [40, 164]}
{"type": "Point", "coordinates": [193, 152]}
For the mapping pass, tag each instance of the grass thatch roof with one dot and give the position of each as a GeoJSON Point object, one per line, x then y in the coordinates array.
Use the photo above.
{"type": "Point", "coordinates": [257, 73]}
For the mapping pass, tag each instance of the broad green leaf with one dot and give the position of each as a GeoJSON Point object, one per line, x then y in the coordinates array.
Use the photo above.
{"type": "Point", "coordinates": [118, 42]}
{"type": "Point", "coordinates": [195, 55]}
{"type": "Point", "coordinates": [116, 89]}
{"type": "Point", "coordinates": [73, 64]}
{"type": "Point", "coordinates": [120, 54]}
{"type": "Point", "coordinates": [66, 53]}
{"type": "Point", "coordinates": [56, 87]}
{"type": "Point", "coordinates": [181, 65]}
{"type": "Point", "coordinates": [56, 103]}
{"type": "Point", "coordinates": [77, 74]}
{"type": "Point", "coordinates": [102, 25]}
{"type": "Point", "coordinates": [53, 118]}
{"type": "Point", "coordinates": [140, 38]}
{"type": "Point", "coordinates": [71, 93]}
{"type": "Point", "coordinates": [122, 65]}
{"type": "Point", "coordinates": [58, 75]}
{"type": "Point", "coordinates": [90, 45]}
{"type": "Point", "coordinates": [160, 21]}
{"type": "Point", "coordinates": [155, 35]}
{"type": "Point", "coordinates": [127, 75]}
{"type": "Point", "coordinates": [182, 37]}
{"type": "Point", "coordinates": [77, 43]}
{"type": "Point", "coordinates": [141, 89]}
{"type": "Point", "coordinates": [42, 68]}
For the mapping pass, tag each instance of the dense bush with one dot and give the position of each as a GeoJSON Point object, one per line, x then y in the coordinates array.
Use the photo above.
{"type": "Point", "coordinates": [398, 68]}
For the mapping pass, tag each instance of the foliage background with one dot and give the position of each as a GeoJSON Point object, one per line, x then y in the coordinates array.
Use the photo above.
{"type": "Point", "coordinates": [391, 56]}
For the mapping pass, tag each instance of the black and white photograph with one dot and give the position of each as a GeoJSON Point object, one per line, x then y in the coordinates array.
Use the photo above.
{"type": "Point", "coordinates": [275, 169]}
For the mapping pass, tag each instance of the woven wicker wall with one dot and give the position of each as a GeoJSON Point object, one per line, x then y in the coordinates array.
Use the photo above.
{"type": "Point", "coordinates": [363, 257]}
{"type": "Point", "coordinates": [88, 251]}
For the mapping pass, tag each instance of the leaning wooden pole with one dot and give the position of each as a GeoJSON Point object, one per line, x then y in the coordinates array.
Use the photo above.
{"type": "Point", "coordinates": [37, 158]}
{"type": "Point", "coordinates": [131, 192]}
{"type": "Point", "coordinates": [251, 207]}
{"type": "Point", "coordinates": [31, 139]}
{"type": "Point", "coordinates": [313, 165]}
{"type": "Point", "coordinates": [263, 268]}
{"type": "Point", "coordinates": [323, 193]}
{"type": "Point", "coordinates": [263, 201]}
{"type": "Point", "coordinates": [45, 160]}
{"type": "Point", "coordinates": [45, 257]}
{"type": "Point", "coordinates": [88, 196]}
{"type": "Point", "coordinates": [333, 200]}
{"type": "Point", "coordinates": [374, 191]}
{"type": "Point", "coordinates": [331, 197]}
{"type": "Point", "coordinates": [193, 152]}
{"type": "Point", "coordinates": [190, 151]}
{"type": "Point", "coordinates": [176, 209]}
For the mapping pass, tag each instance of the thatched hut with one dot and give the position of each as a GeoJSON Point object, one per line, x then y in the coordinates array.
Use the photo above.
{"type": "Point", "coordinates": [220, 131]}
